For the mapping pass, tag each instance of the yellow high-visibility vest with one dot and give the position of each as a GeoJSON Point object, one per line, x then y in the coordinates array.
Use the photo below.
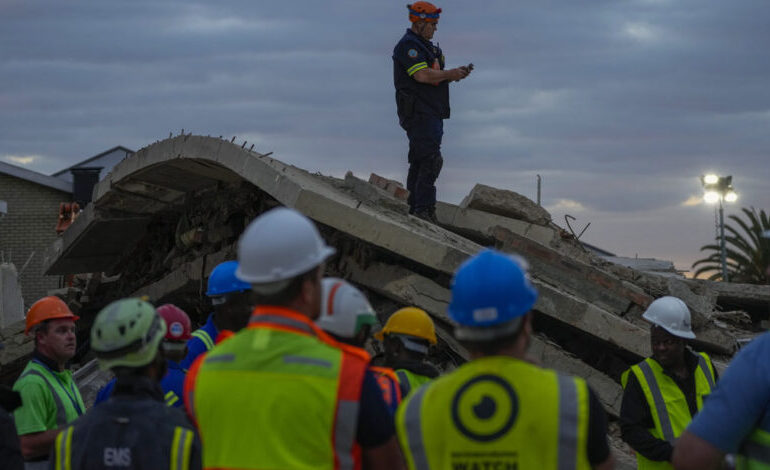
{"type": "Point", "coordinates": [755, 452]}
{"type": "Point", "coordinates": [496, 412]}
{"type": "Point", "coordinates": [278, 394]}
{"type": "Point", "coordinates": [668, 405]}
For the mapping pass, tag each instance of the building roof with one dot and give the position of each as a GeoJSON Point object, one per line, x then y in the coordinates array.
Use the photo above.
{"type": "Point", "coordinates": [89, 160]}
{"type": "Point", "coordinates": [35, 177]}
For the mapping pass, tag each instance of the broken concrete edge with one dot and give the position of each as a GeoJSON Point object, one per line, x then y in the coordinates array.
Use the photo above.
{"type": "Point", "coordinates": [426, 244]}
{"type": "Point", "coordinates": [506, 203]}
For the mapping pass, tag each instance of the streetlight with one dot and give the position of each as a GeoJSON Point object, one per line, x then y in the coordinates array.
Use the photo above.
{"type": "Point", "coordinates": [718, 189]}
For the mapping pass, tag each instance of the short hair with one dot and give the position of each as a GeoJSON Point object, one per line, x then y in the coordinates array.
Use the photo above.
{"type": "Point", "coordinates": [492, 347]}
{"type": "Point", "coordinates": [41, 327]}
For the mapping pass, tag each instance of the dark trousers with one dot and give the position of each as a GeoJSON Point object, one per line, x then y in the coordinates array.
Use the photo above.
{"type": "Point", "coordinates": [424, 132]}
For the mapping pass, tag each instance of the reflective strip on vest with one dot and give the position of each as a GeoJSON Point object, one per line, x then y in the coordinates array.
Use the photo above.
{"type": "Point", "coordinates": [755, 452]}
{"type": "Point", "coordinates": [657, 398]}
{"type": "Point", "coordinates": [568, 423]}
{"type": "Point", "coordinates": [403, 381]}
{"type": "Point", "coordinates": [205, 337]}
{"type": "Point", "coordinates": [180, 449]}
{"type": "Point", "coordinates": [282, 321]}
{"type": "Point", "coordinates": [61, 413]}
{"type": "Point", "coordinates": [63, 449]}
{"type": "Point", "coordinates": [706, 371]}
{"type": "Point", "coordinates": [413, 423]}
{"type": "Point", "coordinates": [345, 433]}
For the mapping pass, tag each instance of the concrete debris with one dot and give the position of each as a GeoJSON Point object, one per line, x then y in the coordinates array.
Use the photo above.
{"type": "Point", "coordinates": [505, 203]}
{"type": "Point", "coordinates": [164, 217]}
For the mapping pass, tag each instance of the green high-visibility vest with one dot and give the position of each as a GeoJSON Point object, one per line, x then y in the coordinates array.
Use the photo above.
{"type": "Point", "coordinates": [408, 381]}
{"type": "Point", "coordinates": [668, 405]}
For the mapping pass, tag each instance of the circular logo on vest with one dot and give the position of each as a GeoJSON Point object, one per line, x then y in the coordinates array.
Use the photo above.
{"type": "Point", "coordinates": [412, 53]}
{"type": "Point", "coordinates": [176, 329]}
{"type": "Point", "coordinates": [485, 408]}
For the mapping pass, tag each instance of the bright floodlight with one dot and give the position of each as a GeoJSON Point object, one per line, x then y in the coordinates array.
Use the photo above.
{"type": "Point", "coordinates": [711, 179]}
{"type": "Point", "coordinates": [711, 197]}
{"type": "Point", "coordinates": [731, 196]}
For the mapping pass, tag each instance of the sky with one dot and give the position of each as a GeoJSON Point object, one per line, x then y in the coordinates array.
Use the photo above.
{"type": "Point", "coordinates": [619, 105]}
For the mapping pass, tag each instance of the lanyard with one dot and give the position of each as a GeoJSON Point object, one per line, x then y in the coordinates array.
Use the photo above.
{"type": "Point", "coordinates": [74, 402]}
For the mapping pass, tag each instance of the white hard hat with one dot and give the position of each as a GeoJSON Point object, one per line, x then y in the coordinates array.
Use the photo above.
{"type": "Point", "coordinates": [278, 246]}
{"type": "Point", "coordinates": [344, 309]}
{"type": "Point", "coordinates": [671, 314]}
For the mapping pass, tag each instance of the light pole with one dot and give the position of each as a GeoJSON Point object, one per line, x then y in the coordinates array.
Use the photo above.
{"type": "Point", "coordinates": [718, 189]}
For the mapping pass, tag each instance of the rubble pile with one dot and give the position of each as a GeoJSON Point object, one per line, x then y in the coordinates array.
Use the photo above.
{"type": "Point", "coordinates": [164, 217]}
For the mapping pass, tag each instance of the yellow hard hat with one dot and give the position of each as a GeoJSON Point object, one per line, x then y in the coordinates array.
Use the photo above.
{"type": "Point", "coordinates": [411, 321]}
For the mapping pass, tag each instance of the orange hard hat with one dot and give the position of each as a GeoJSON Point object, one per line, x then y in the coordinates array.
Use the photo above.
{"type": "Point", "coordinates": [47, 308]}
{"type": "Point", "coordinates": [423, 11]}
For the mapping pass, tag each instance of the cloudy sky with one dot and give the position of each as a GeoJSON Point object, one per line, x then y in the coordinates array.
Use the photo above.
{"type": "Point", "coordinates": [619, 105]}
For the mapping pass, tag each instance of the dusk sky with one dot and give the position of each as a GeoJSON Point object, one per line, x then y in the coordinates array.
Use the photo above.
{"type": "Point", "coordinates": [619, 105]}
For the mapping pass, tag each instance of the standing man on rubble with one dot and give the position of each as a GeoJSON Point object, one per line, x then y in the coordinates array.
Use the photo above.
{"type": "Point", "coordinates": [252, 396]}
{"type": "Point", "coordinates": [134, 428]}
{"type": "Point", "coordinates": [663, 393]}
{"type": "Point", "coordinates": [231, 300]}
{"type": "Point", "coordinates": [422, 100]}
{"type": "Point", "coordinates": [50, 398]}
{"type": "Point", "coordinates": [498, 410]}
{"type": "Point", "coordinates": [407, 338]}
{"type": "Point", "coordinates": [348, 317]}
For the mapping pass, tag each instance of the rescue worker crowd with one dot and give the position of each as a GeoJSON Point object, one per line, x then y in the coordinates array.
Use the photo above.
{"type": "Point", "coordinates": [279, 376]}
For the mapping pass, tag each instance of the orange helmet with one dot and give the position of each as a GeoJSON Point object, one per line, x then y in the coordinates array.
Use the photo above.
{"type": "Point", "coordinates": [47, 308]}
{"type": "Point", "coordinates": [423, 11]}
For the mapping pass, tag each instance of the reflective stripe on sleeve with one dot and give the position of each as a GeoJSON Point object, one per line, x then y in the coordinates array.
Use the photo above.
{"type": "Point", "coordinates": [413, 424]}
{"type": "Point", "coordinates": [180, 449]}
{"type": "Point", "coordinates": [63, 450]}
{"type": "Point", "coordinates": [171, 398]}
{"type": "Point", "coordinates": [568, 423]}
{"type": "Point", "coordinates": [205, 337]}
{"type": "Point", "coordinates": [416, 68]}
{"type": "Point", "coordinates": [660, 405]}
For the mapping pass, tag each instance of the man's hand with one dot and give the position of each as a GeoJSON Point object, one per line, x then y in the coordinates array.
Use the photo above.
{"type": "Point", "coordinates": [459, 73]}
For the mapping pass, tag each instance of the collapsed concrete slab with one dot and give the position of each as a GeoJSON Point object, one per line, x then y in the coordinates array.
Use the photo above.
{"type": "Point", "coordinates": [159, 175]}
{"type": "Point", "coordinates": [506, 203]}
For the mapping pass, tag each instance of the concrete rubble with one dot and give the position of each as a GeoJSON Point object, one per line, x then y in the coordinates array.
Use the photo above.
{"type": "Point", "coordinates": [163, 218]}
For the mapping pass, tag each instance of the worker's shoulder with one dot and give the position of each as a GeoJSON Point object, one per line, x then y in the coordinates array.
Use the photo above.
{"type": "Point", "coordinates": [30, 378]}
{"type": "Point", "coordinates": [147, 410]}
{"type": "Point", "coordinates": [407, 43]}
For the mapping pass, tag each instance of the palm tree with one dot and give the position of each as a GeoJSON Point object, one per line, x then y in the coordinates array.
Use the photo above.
{"type": "Point", "coordinates": [747, 250]}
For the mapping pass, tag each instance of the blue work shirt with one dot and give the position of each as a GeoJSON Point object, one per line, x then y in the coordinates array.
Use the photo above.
{"type": "Point", "coordinates": [412, 54]}
{"type": "Point", "coordinates": [172, 385]}
{"type": "Point", "coordinates": [202, 341]}
{"type": "Point", "coordinates": [741, 401]}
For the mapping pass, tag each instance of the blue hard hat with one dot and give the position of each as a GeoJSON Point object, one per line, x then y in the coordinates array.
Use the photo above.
{"type": "Point", "coordinates": [491, 289]}
{"type": "Point", "coordinates": [222, 280]}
